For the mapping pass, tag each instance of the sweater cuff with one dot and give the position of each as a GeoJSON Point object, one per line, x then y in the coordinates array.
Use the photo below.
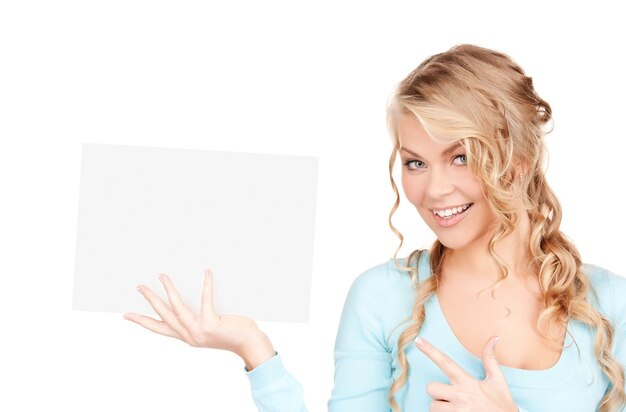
{"type": "Point", "coordinates": [266, 373]}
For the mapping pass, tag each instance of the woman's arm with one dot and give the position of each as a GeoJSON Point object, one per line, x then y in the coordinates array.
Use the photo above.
{"type": "Point", "coordinates": [237, 334]}
{"type": "Point", "coordinates": [362, 357]}
{"type": "Point", "coordinates": [362, 360]}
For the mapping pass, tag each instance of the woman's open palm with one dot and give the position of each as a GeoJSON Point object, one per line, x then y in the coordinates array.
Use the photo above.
{"type": "Point", "coordinates": [206, 329]}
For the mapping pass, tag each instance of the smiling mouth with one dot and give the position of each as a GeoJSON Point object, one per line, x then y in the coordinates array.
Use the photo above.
{"type": "Point", "coordinates": [449, 213]}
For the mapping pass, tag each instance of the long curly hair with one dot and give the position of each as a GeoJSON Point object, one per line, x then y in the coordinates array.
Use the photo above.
{"type": "Point", "coordinates": [483, 99]}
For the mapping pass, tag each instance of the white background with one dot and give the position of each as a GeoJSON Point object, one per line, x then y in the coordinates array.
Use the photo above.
{"type": "Point", "coordinates": [260, 77]}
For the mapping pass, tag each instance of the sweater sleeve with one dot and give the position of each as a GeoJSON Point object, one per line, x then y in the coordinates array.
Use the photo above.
{"type": "Point", "coordinates": [274, 389]}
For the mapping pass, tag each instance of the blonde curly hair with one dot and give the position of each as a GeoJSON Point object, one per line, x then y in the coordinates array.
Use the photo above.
{"type": "Point", "coordinates": [483, 99]}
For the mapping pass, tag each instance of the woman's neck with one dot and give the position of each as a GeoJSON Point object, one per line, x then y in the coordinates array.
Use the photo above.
{"type": "Point", "coordinates": [475, 260]}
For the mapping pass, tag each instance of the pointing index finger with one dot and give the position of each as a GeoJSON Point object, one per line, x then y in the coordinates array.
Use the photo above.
{"type": "Point", "coordinates": [453, 371]}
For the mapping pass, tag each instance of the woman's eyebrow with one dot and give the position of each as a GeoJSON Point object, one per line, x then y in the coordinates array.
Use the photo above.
{"type": "Point", "coordinates": [443, 154]}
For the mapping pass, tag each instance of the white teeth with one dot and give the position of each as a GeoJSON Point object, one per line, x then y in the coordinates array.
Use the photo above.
{"type": "Point", "coordinates": [450, 212]}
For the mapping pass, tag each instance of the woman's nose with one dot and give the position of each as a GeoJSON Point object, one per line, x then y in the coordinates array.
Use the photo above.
{"type": "Point", "coordinates": [440, 184]}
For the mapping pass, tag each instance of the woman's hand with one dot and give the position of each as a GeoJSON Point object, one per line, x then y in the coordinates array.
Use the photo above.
{"type": "Point", "coordinates": [237, 334]}
{"type": "Point", "coordinates": [465, 392]}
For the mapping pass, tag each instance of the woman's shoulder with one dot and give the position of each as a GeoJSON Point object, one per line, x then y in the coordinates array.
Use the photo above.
{"type": "Point", "coordinates": [381, 296]}
{"type": "Point", "coordinates": [608, 290]}
{"type": "Point", "coordinates": [378, 279]}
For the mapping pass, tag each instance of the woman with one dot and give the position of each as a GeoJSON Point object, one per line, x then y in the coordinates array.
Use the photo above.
{"type": "Point", "coordinates": [468, 127]}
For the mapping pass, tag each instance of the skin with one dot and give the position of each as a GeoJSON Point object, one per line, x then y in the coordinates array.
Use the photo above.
{"type": "Point", "coordinates": [432, 180]}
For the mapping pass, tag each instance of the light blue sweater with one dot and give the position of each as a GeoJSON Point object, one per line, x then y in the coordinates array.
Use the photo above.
{"type": "Point", "coordinates": [382, 297]}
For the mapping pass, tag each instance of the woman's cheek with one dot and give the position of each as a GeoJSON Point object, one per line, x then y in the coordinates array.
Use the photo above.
{"type": "Point", "coordinates": [411, 191]}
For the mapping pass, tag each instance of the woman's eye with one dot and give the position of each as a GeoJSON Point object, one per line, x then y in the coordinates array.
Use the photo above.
{"type": "Point", "coordinates": [418, 164]}
{"type": "Point", "coordinates": [460, 159]}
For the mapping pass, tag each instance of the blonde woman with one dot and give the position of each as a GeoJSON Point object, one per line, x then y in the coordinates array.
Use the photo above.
{"type": "Point", "coordinates": [420, 333]}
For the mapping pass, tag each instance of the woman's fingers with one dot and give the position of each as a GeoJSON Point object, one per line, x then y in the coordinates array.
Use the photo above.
{"type": "Point", "coordinates": [178, 306]}
{"type": "Point", "coordinates": [207, 311]}
{"type": "Point", "coordinates": [453, 371]}
{"type": "Point", "coordinates": [165, 312]}
{"type": "Point", "coordinates": [177, 320]}
{"type": "Point", "coordinates": [490, 362]}
{"type": "Point", "coordinates": [153, 325]}
{"type": "Point", "coordinates": [440, 391]}
{"type": "Point", "coordinates": [238, 334]}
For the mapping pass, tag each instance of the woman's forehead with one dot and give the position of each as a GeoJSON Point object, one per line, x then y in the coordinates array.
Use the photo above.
{"type": "Point", "coordinates": [412, 137]}
{"type": "Point", "coordinates": [410, 131]}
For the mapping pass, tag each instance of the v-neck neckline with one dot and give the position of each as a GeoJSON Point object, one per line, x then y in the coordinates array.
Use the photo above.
{"type": "Point", "coordinates": [556, 375]}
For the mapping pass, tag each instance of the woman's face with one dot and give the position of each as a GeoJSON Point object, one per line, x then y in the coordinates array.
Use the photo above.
{"type": "Point", "coordinates": [438, 182]}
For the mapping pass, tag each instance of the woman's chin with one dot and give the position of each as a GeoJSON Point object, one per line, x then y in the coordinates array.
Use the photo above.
{"type": "Point", "coordinates": [453, 243]}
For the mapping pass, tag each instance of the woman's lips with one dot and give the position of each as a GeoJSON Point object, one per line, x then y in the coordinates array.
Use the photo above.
{"type": "Point", "coordinates": [451, 220]}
